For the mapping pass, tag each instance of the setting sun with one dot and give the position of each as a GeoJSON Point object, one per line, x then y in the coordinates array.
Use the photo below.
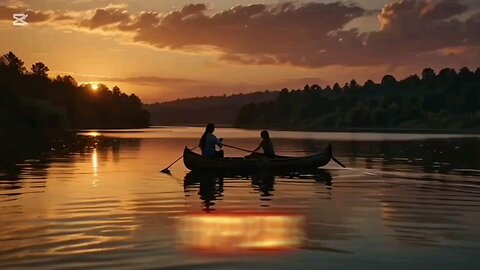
{"type": "Point", "coordinates": [94, 86]}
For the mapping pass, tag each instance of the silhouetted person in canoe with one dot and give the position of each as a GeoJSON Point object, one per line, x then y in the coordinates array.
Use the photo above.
{"type": "Point", "coordinates": [266, 144]}
{"type": "Point", "coordinates": [209, 142]}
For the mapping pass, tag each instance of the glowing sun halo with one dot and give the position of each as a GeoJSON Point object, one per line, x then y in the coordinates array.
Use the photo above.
{"type": "Point", "coordinates": [94, 86]}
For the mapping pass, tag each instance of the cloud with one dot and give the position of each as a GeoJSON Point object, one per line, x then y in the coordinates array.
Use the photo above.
{"type": "Point", "coordinates": [460, 56]}
{"type": "Point", "coordinates": [406, 14]}
{"type": "Point", "coordinates": [411, 28]}
{"type": "Point", "coordinates": [105, 17]}
{"type": "Point", "coordinates": [151, 80]}
{"type": "Point", "coordinates": [258, 30]}
{"type": "Point", "coordinates": [311, 35]}
{"type": "Point", "coordinates": [438, 10]}
{"type": "Point", "coordinates": [142, 21]}
{"type": "Point", "coordinates": [143, 80]}
{"type": "Point", "coordinates": [6, 14]}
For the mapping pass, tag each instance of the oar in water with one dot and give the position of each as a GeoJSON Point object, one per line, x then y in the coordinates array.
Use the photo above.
{"type": "Point", "coordinates": [338, 162]}
{"type": "Point", "coordinates": [167, 171]}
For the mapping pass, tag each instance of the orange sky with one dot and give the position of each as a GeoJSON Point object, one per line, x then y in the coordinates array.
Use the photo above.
{"type": "Point", "coordinates": [162, 50]}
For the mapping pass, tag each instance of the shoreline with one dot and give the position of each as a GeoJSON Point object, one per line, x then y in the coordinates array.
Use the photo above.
{"type": "Point", "coordinates": [346, 130]}
{"type": "Point", "coordinates": [390, 130]}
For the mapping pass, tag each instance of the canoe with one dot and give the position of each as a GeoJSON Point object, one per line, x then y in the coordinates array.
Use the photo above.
{"type": "Point", "coordinates": [196, 162]}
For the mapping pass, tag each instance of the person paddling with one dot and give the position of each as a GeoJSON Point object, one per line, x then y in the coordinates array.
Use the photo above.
{"type": "Point", "coordinates": [266, 145]}
{"type": "Point", "coordinates": [209, 142]}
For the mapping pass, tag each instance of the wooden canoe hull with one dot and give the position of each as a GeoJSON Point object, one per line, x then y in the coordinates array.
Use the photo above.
{"type": "Point", "coordinates": [196, 162]}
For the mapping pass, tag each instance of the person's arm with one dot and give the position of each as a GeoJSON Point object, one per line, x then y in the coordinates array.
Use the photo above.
{"type": "Point", "coordinates": [217, 141]}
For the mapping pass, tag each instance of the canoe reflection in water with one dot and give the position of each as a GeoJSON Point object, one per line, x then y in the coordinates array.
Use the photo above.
{"type": "Point", "coordinates": [242, 229]}
{"type": "Point", "coordinates": [210, 189]}
{"type": "Point", "coordinates": [211, 184]}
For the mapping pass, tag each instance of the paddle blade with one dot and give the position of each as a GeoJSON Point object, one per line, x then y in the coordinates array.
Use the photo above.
{"type": "Point", "coordinates": [338, 162]}
{"type": "Point", "coordinates": [166, 171]}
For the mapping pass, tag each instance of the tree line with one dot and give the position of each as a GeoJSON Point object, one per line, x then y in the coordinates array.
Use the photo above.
{"type": "Point", "coordinates": [35, 109]}
{"type": "Point", "coordinates": [33, 100]}
{"type": "Point", "coordinates": [447, 100]}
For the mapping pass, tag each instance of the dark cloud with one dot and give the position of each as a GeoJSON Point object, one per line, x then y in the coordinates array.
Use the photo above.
{"type": "Point", "coordinates": [63, 18]}
{"type": "Point", "coordinates": [438, 10]}
{"type": "Point", "coordinates": [312, 34]}
{"type": "Point", "coordinates": [258, 30]}
{"type": "Point", "coordinates": [143, 21]}
{"type": "Point", "coordinates": [105, 17]}
{"type": "Point", "coordinates": [411, 28]}
{"type": "Point", "coordinates": [306, 35]}
{"type": "Point", "coordinates": [404, 15]}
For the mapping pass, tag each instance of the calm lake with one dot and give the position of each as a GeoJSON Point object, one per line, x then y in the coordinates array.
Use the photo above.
{"type": "Point", "coordinates": [404, 202]}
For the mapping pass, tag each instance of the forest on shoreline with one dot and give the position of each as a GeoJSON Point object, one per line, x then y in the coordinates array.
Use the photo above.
{"type": "Point", "coordinates": [35, 109]}
{"type": "Point", "coordinates": [447, 100]}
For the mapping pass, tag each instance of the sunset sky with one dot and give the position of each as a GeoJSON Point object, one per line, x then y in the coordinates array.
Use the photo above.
{"type": "Point", "coordinates": [165, 49]}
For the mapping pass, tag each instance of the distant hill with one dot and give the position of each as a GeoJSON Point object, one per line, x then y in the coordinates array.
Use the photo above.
{"type": "Point", "coordinates": [201, 110]}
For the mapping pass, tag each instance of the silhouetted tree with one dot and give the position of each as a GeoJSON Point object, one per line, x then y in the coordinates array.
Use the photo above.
{"type": "Point", "coordinates": [369, 84]}
{"type": "Point", "coordinates": [428, 74]}
{"type": "Point", "coordinates": [413, 79]}
{"type": "Point", "coordinates": [388, 80]}
{"type": "Point", "coordinates": [40, 69]}
{"type": "Point", "coordinates": [447, 73]}
{"type": "Point", "coordinates": [116, 91]}
{"type": "Point", "coordinates": [12, 63]}
{"type": "Point", "coordinates": [466, 75]}
{"type": "Point", "coordinates": [353, 84]}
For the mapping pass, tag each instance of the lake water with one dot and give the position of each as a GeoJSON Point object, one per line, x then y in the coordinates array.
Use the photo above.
{"type": "Point", "coordinates": [404, 202]}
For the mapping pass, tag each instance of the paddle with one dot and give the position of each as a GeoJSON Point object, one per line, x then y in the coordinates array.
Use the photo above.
{"type": "Point", "coordinates": [167, 171]}
{"type": "Point", "coordinates": [338, 162]}
{"type": "Point", "coordinates": [234, 147]}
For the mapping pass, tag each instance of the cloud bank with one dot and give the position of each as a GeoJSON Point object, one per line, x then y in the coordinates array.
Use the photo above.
{"type": "Point", "coordinates": [310, 35]}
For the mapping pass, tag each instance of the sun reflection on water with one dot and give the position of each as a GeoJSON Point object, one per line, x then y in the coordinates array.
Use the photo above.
{"type": "Point", "coordinates": [93, 134]}
{"type": "Point", "coordinates": [95, 167]}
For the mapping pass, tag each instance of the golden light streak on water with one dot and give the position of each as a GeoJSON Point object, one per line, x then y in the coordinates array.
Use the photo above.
{"type": "Point", "coordinates": [95, 167]}
{"type": "Point", "coordinates": [240, 231]}
{"type": "Point", "coordinates": [93, 134]}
